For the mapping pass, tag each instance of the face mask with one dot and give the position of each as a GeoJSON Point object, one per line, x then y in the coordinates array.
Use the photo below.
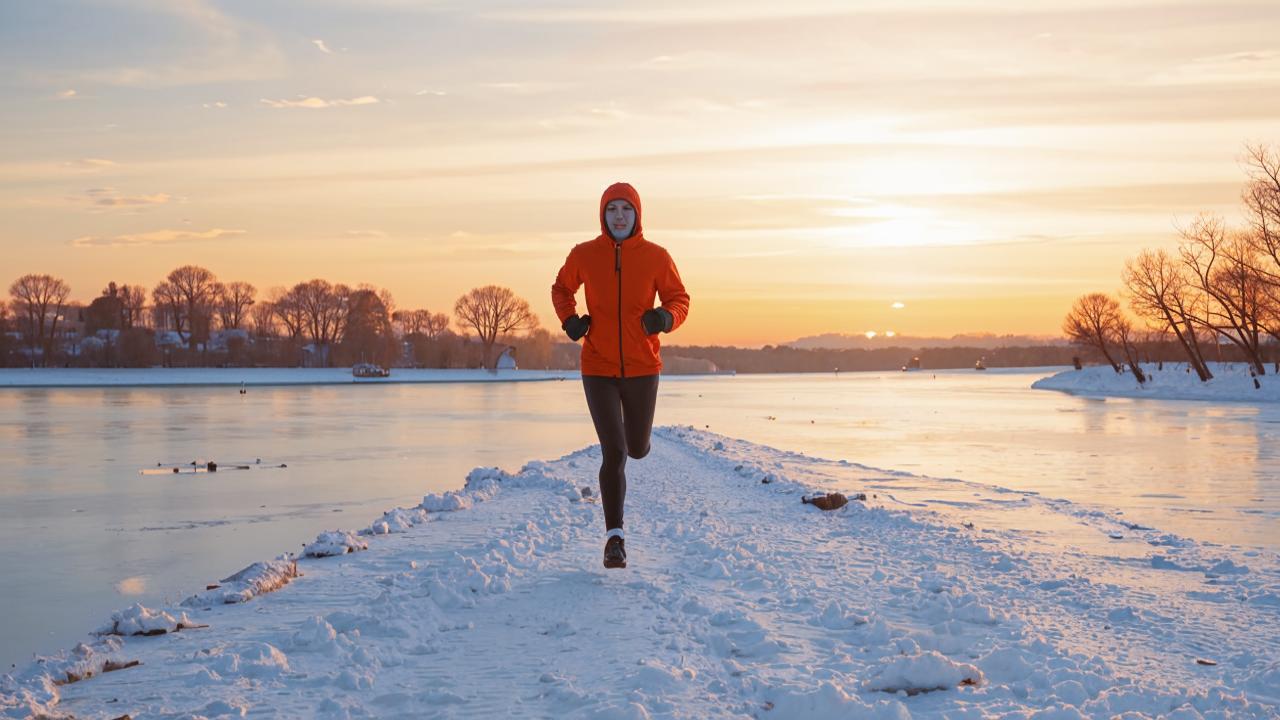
{"type": "Point", "coordinates": [620, 218]}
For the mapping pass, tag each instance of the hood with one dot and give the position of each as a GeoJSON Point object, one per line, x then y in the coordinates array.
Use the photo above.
{"type": "Point", "coordinates": [621, 191]}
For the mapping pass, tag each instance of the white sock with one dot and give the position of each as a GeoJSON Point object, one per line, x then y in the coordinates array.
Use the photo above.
{"type": "Point", "coordinates": [616, 532]}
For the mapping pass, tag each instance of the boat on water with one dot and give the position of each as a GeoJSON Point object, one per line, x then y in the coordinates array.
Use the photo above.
{"type": "Point", "coordinates": [369, 370]}
{"type": "Point", "coordinates": [979, 365]}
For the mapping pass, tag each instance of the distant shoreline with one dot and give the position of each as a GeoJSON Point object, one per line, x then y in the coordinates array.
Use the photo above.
{"type": "Point", "coordinates": [83, 378]}
{"type": "Point", "coordinates": [96, 378]}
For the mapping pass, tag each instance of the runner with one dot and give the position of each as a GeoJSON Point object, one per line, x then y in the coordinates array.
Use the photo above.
{"type": "Point", "coordinates": [623, 274]}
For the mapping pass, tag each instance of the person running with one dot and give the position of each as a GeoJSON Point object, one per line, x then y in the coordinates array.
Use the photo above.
{"type": "Point", "coordinates": [623, 273]}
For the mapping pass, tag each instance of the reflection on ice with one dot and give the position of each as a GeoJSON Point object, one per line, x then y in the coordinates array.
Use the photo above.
{"type": "Point", "coordinates": [136, 585]}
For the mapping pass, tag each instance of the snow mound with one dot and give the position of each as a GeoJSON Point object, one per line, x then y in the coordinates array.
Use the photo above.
{"type": "Point", "coordinates": [83, 661]}
{"type": "Point", "coordinates": [139, 620]}
{"type": "Point", "coordinates": [315, 635]}
{"type": "Point", "coordinates": [923, 672]}
{"type": "Point", "coordinates": [835, 616]}
{"type": "Point", "coordinates": [257, 660]}
{"type": "Point", "coordinates": [446, 502]}
{"type": "Point", "coordinates": [33, 690]}
{"type": "Point", "coordinates": [484, 483]}
{"type": "Point", "coordinates": [396, 521]}
{"type": "Point", "coordinates": [827, 702]}
{"type": "Point", "coordinates": [35, 698]}
{"type": "Point", "coordinates": [334, 542]}
{"type": "Point", "coordinates": [257, 579]}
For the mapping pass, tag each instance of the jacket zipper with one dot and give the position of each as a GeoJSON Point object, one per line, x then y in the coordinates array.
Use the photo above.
{"type": "Point", "coordinates": [617, 267]}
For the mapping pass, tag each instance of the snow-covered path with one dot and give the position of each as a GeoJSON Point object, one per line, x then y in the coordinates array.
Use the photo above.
{"type": "Point", "coordinates": [738, 601]}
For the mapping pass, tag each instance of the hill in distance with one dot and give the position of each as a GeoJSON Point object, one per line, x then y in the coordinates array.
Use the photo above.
{"type": "Point", "coordinates": [840, 341]}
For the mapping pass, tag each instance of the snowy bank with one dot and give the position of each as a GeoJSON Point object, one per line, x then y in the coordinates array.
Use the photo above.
{"type": "Point", "coordinates": [1231, 383]}
{"type": "Point", "coordinates": [252, 377]}
{"type": "Point", "coordinates": [739, 601]}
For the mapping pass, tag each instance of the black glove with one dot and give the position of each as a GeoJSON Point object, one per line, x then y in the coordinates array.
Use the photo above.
{"type": "Point", "coordinates": [576, 326]}
{"type": "Point", "coordinates": [656, 320]}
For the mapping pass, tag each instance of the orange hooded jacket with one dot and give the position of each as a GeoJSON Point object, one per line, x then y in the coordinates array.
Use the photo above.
{"type": "Point", "coordinates": [622, 279]}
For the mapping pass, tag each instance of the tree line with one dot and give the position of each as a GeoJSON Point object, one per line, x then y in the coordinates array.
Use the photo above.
{"type": "Point", "coordinates": [787, 359]}
{"type": "Point", "coordinates": [1221, 287]}
{"type": "Point", "coordinates": [193, 318]}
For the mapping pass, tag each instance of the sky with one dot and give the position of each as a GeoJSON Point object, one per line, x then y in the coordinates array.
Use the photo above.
{"type": "Point", "coordinates": [926, 168]}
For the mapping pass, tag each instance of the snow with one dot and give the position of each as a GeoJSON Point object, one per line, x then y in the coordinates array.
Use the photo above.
{"type": "Point", "coordinates": [139, 620]}
{"type": "Point", "coordinates": [252, 377]}
{"type": "Point", "coordinates": [1231, 382]}
{"type": "Point", "coordinates": [335, 542]}
{"type": "Point", "coordinates": [446, 502]}
{"type": "Point", "coordinates": [397, 521]}
{"type": "Point", "coordinates": [257, 579]}
{"type": "Point", "coordinates": [923, 672]}
{"type": "Point", "coordinates": [738, 601]}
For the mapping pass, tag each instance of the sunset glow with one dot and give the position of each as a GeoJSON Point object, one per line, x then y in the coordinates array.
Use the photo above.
{"type": "Point", "coordinates": [819, 166]}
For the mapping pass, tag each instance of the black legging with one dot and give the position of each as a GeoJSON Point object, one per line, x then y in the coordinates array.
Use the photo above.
{"type": "Point", "coordinates": [622, 410]}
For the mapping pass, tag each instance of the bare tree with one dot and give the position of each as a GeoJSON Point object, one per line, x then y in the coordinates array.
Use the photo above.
{"type": "Point", "coordinates": [287, 311]}
{"type": "Point", "coordinates": [408, 322]}
{"type": "Point", "coordinates": [421, 322]}
{"type": "Point", "coordinates": [1091, 323]}
{"type": "Point", "coordinates": [492, 311]}
{"type": "Point", "coordinates": [167, 308]}
{"type": "Point", "coordinates": [196, 288]}
{"type": "Point", "coordinates": [233, 300]}
{"type": "Point", "coordinates": [1125, 337]}
{"type": "Point", "coordinates": [1224, 264]}
{"type": "Point", "coordinates": [38, 302]}
{"type": "Point", "coordinates": [384, 296]}
{"type": "Point", "coordinates": [133, 300]}
{"type": "Point", "coordinates": [1159, 292]}
{"type": "Point", "coordinates": [1262, 201]}
{"type": "Point", "coordinates": [263, 315]}
{"type": "Point", "coordinates": [434, 324]}
{"type": "Point", "coordinates": [323, 307]}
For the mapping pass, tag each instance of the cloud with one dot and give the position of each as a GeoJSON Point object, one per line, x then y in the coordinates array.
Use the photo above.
{"type": "Point", "coordinates": [315, 103]}
{"type": "Point", "coordinates": [90, 163]}
{"type": "Point", "coordinates": [437, 93]}
{"type": "Point", "coordinates": [1256, 66]}
{"type": "Point", "coordinates": [66, 94]}
{"type": "Point", "coordinates": [110, 197]}
{"type": "Point", "coordinates": [322, 47]}
{"type": "Point", "coordinates": [688, 61]}
{"type": "Point", "coordinates": [217, 105]}
{"type": "Point", "coordinates": [584, 118]}
{"type": "Point", "coordinates": [155, 237]}
{"type": "Point", "coordinates": [523, 88]}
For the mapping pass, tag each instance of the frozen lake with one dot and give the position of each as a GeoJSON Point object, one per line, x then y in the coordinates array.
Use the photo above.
{"type": "Point", "coordinates": [87, 531]}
